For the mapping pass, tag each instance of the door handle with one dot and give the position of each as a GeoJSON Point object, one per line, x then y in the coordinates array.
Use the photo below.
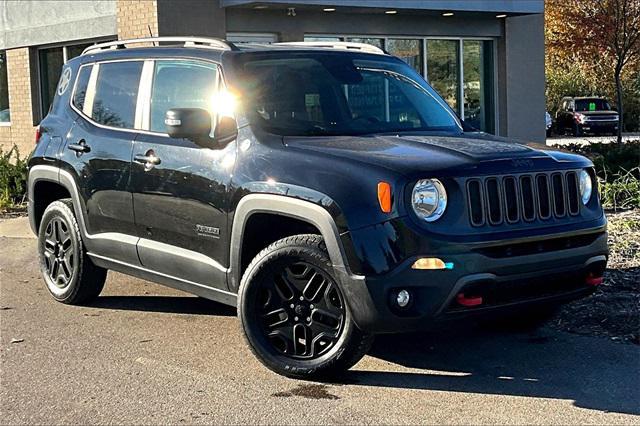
{"type": "Point", "coordinates": [80, 148]}
{"type": "Point", "coordinates": [148, 159]}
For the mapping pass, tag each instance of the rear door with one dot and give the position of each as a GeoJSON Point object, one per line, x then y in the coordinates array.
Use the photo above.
{"type": "Point", "coordinates": [180, 189]}
{"type": "Point", "coordinates": [99, 148]}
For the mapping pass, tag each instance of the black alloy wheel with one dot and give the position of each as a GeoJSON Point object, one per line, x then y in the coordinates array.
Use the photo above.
{"type": "Point", "coordinates": [301, 310]}
{"type": "Point", "coordinates": [59, 252]}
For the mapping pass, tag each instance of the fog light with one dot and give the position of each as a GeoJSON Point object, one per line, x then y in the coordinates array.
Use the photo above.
{"type": "Point", "coordinates": [403, 298]}
{"type": "Point", "coordinates": [431, 263]}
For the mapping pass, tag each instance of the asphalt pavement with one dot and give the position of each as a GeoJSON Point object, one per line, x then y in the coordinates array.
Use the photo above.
{"type": "Point", "coordinates": [145, 354]}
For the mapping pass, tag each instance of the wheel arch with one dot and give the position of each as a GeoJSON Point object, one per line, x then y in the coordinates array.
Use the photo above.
{"type": "Point", "coordinates": [282, 206]}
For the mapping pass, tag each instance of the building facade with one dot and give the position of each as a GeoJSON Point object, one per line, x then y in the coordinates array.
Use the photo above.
{"type": "Point", "coordinates": [485, 57]}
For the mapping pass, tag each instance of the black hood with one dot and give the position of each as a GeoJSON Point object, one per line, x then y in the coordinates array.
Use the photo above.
{"type": "Point", "coordinates": [473, 152]}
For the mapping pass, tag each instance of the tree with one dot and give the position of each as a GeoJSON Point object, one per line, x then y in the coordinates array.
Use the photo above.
{"type": "Point", "coordinates": [597, 34]}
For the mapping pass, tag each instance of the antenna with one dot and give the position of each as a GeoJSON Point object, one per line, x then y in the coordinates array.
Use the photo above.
{"type": "Point", "coordinates": [151, 34]}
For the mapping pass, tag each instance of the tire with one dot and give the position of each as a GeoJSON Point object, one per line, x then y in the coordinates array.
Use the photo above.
{"type": "Point", "coordinates": [68, 272]}
{"type": "Point", "coordinates": [293, 312]}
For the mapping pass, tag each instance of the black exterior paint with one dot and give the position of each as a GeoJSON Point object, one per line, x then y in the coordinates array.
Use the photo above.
{"type": "Point", "coordinates": [194, 186]}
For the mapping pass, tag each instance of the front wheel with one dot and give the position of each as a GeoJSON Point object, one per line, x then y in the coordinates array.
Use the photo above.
{"type": "Point", "coordinates": [294, 314]}
{"type": "Point", "coordinates": [68, 272]}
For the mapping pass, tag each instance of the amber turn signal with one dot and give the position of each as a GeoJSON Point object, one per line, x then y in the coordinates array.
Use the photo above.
{"type": "Point", "coordinates": [384, 196]}
{"type": "Point", "coordinates": [431, 263]}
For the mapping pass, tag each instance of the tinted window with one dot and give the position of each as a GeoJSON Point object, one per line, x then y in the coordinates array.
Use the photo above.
{"type": "Point", "coordinates": [81, 87]}
{"type": "Point", "coordinates": [116, 94]}
{"type": "Point", "coordinates": [326, 94]}
{"type": "Point", "coordinates": [180, 84]}
{"type": "Point", "coordinates": [592, 105]}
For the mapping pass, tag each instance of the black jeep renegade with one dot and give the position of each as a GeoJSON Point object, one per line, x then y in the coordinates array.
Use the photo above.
{"type": "Point", "coordinates": [325, 190]}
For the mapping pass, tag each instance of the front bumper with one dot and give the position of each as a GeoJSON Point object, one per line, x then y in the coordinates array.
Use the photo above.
{"type": "Point", "coordinates": [506, 277]}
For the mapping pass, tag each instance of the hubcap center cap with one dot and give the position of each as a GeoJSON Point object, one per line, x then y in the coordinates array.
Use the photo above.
{"type": "Point", "coordinates": [301, 310]}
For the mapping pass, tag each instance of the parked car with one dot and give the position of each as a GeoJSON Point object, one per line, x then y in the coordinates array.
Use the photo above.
{"type": "Point", "coordinates": [325, 190]}
{"type": "Point", "coordinates": [548, 122]}
{"type": "Point", "coordinates": [586, 115]}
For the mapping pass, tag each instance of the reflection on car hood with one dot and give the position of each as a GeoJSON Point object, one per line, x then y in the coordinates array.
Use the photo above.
{"type": "Point", "coordinates": [417, 154]}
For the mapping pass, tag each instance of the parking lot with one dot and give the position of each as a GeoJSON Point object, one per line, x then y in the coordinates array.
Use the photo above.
{"type": "Point", "coordinates": [145, 354]}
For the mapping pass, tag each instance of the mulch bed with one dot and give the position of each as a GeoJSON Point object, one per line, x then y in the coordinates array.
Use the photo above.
{"type": "Point", "coordinates": [613, 311]}
{"type": "Point", "coordinates": [15, 211]}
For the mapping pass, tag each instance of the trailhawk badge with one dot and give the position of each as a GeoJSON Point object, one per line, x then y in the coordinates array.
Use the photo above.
{"type": "Point", "coordinates": [208, 231]}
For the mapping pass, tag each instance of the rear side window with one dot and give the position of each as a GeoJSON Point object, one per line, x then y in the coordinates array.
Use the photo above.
{"type": "Point", "coordinates": [81, 87]}
{"type": "Point", "coordinates": [116, 94]}
{"type": "Point", "coordinates": [180, 84]}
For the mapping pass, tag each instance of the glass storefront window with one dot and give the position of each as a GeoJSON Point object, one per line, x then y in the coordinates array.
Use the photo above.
{"type": "Point", "coordinates": [5, 115]}
{"type": "Point", "coordinates": [442, 69]}
{"type": "Point", "coordinates": [478, 84]}
{"type": "Point", "coordinates": [51, 61]}
{"type": "Point", "coordinates": [408, 50]}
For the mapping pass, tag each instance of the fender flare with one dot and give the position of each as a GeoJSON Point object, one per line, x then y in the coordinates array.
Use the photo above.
{"type": "Point", "coordinates": [354, 286]}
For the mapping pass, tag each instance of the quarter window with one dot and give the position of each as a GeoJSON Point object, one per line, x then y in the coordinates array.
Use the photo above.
{"type": "Point", "coordinates": [116, 94]}
{"type": "Point", "coordinates": [80, 92]}
{"type": "Point", "coordinates": [180, 84]}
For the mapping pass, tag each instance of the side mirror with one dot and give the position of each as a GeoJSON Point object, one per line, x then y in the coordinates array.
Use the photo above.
{"type": "Point", "coordinates": [226, 131]}
{"type": "Point", "coordinates": [189, 123]}
{"type": "Point", "coordinates": [195, 124]}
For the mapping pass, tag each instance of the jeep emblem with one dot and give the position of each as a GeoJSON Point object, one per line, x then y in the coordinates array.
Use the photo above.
{"type": "Point", "coordinates": [65, 79]}
{"type": "Point", "coordinates": [522, 163]}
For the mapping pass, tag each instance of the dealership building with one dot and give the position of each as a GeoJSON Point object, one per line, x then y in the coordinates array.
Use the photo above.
{"type": "Point", "coordinates": [485, 57]}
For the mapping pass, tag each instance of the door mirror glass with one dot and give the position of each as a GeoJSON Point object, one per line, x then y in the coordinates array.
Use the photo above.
{"type": "Point", "coordinates": [226, 131]}
{"type": "Point", "coordinates": [190, 123]}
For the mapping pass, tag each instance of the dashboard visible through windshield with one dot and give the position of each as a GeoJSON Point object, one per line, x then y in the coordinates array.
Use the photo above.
{"type": "Point", "coordinates": [337, 94]}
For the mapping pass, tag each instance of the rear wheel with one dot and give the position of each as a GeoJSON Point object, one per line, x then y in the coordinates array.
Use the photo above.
{"type": "Point", "coordinates": [68, 272]}
{"type": "Point", "coordinates": [294, 314]}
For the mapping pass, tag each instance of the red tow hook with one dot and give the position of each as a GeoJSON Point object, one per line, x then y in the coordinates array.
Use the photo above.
{"type": "Point", "coordinates": [593, 281]}
{"type": "Point", "coordinates": [468, 301]}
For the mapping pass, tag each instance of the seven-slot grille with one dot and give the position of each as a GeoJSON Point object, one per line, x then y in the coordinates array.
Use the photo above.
{"type": "Point", "coordinates": [494, 200]}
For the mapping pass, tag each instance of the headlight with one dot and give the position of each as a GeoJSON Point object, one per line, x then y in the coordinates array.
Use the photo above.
{"type": "Point", "coordinates": [586, 186]}
{"type": "Point", "coordinates": [429, 199]}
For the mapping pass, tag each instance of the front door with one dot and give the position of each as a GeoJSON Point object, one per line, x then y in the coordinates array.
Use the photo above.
{"type": "Point", "coordinates": [180, 189]}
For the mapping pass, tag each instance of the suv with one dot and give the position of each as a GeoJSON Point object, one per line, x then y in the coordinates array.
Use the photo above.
{"type": "Point", "coordinates": [586, 115]}
{"type": "Point", "coordinates": [326, 191]}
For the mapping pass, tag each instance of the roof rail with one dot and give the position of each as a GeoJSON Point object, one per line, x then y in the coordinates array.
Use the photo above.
{"type": "Point", "coordinates": [363, 47]}
{"type": "Point", "coordinates": [203, 42]}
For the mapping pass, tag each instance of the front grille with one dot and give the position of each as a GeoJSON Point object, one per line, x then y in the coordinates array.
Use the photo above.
{"type": "Point", "coordinates": [601, 118]}
{"type": "Point", "coordinates": [522, 198]}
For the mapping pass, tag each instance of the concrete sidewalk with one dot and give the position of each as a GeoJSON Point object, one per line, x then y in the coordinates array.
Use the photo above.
{"type": "Point", "coordinates": [17, 227]}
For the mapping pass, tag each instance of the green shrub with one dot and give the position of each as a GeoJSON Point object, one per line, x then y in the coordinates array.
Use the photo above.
{"type": "Point", "coordinates": [611, 160]}
{"type": "Point", "coordinates": [618, 170]}
{"type": "Point", "coordinates": [623, 192]}
{"type": "Point", "coordinates": [13, 178]}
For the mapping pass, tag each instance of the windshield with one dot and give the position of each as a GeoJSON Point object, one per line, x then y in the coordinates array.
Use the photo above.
{"type": "Point", "coordinates": [592, 105]}
{"type": "Point", "coordinates": [337, 94]}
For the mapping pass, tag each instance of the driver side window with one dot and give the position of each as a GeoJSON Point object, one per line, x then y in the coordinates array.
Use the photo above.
{"type": "Point", "coordinates": [181, 84]}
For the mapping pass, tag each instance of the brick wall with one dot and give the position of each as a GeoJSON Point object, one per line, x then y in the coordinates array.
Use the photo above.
{"type": "Point", "coordinates": [135, 17]}
{"type": "Point", "coordinates": [21, 132]}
